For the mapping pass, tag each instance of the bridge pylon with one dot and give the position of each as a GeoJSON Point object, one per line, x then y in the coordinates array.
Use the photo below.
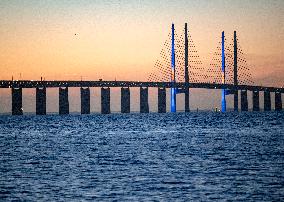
{"type": "Point", "coordinates": [173, 72]}
{"type": "Point", "coordinates": [186, 76]}
{"type": "Point", "coordinates": [236, 93]}
{"type": "Point", "coordinates": [235, 74]}
{"type": "Point", "coordinates": [185, 90]}
{"type": "Point", "coordinates": [223, 103]}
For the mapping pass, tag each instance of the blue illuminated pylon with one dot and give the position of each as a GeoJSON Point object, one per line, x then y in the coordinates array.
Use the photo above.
{"type": "Point", "coordinates": [223, 108]}
{"type": "Point", "coordinates": [173, 73]}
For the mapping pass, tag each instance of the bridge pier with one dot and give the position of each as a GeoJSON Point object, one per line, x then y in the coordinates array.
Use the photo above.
{"type": "Point", "coordinates": [236, 100]}
{"type": "Point", "coordinates": [63, 101]}
{"type": "Point", "coordinates": [17, 105]}
{"type": "Point", "coordinates": [278, 101]}
{"type": "Point", "coordinates": [105, 100]}
{"type": "Point", "coordinates": [244, 100]}
{"type": "Point", "coordinates": [186, 100]}
{"type": "Point", "coordinates": [125, 100]}
{"type": "Point", "coordinates": [40, 101]}
{"type": "Point", "coordinates": [144, 105]}
{"type": "Point", "coordinates": [267, 101]}
{"type": "Point", "coordinates": [85, 100]}
{"type": "Point", "coordinates": [162, 107]}
{"type": "Point", "coordinates": [255, 100]}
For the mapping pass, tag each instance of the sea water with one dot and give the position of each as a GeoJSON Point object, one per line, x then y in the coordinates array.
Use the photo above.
{"type": "Point", "coordinates": [140, 157]}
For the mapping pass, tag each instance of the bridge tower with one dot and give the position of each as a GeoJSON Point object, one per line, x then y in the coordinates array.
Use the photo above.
{"type": "Point", "coordinates": [236, 93]}
{"type": "Point", "coordinates": [223, 104]}
{"type": "Point", "coordinates": [186, 76]}
{"type": "Point", "coordinates": [173, 72]}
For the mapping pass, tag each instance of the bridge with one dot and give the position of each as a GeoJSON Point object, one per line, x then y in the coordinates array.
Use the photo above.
{"type": "Point", "coordinates": [109, 84]}
{"type": "Point", "coordinates": [179, 65]}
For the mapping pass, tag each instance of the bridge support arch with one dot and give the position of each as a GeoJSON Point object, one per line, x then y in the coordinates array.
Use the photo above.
{"type": "Point", "coordinates": [144, 105]}
{"type": "Point", "coordinates": [40, 101]}
{"type": "Point", "coordinates": [63, 101]}
{"type": "Point", "coordinates": [125, 100]}
{"type": "Point", "coordinates": [267, 101]}
{"type": "Point", "coordinates": [85, 100]}
{"type": "Point", "coordinates": [17, 105]}
{"type": "Point", "coordinates": [162, 106]}
{"type": "Point", "coordinates": [255, 100]}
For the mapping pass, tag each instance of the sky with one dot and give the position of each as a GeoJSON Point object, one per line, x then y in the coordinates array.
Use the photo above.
{"type": "Point", "coordinates": [89, 39]}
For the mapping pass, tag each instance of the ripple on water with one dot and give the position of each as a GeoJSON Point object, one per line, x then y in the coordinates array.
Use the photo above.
{"type": "Point", "coordinates": [196, 156]}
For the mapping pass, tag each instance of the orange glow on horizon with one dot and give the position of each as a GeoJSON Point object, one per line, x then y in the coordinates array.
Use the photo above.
{"type": "Point", "coordinates": [122, 42]}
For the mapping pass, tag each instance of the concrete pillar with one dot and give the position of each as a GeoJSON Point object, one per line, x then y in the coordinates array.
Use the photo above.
{"type": "Point", "coordinates": [244, 100]}
{"type": "Point", "coordinates": [267, 101]}
{"type": "Point", "coordinates": [278, 101]}
{"type": "Point", "coordinates": [236, 100]}
{"type": "Point", "coordinates": [186, 100]}
{"type": "Point", "coordinates": [125, 100]}
{"type": "Point", "coordinates": [144, 105]}
{"type": "Point", "coordinates": [63, 101]}
{"type": "Point", "coordinates": [85, 100]}
{"type": "Point", "coordinates": [162, 107]}
{"type": "Point", "coordinates": [255, 100]}
{"type": "Point", "coordinates": [105, 100]}
{"type": "Point", "coordinates": [17, 105]}
{"type": "Point", "coordinates": [40, 101]}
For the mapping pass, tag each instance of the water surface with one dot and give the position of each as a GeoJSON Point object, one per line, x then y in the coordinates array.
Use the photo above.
{"type": "Point", "coordinates": [195, 156]}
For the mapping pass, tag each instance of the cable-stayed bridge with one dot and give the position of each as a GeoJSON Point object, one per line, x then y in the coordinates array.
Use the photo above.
{"type": "Point", "coordinates": [179, 68]}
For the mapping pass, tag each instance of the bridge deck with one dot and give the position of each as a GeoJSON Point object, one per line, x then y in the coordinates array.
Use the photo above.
{"type": "Point", "coordinates": [54, 84]}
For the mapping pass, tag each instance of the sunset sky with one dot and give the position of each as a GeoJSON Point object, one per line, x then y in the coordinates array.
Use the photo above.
{"type": "Point", "coordinates": [70, 39]}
